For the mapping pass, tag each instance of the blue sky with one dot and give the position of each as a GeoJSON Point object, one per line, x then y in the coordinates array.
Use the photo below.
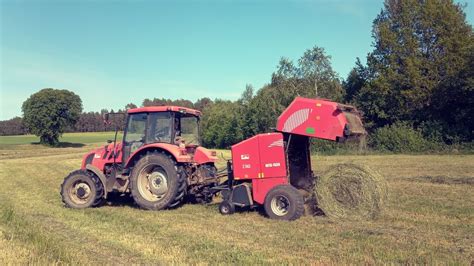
{"type": "Point", "coordinates": [115, 52]}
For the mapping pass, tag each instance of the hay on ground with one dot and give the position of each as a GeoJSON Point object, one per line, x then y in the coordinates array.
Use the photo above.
{"type": "Point", "coordinates": [350, 192]}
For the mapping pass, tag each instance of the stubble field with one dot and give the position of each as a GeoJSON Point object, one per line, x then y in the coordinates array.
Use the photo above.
{"type": "Point", "coordinates": [429, 217]}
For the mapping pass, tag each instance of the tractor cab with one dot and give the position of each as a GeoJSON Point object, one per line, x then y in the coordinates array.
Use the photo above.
{"type": "Point", "coordinates": [160, 124]}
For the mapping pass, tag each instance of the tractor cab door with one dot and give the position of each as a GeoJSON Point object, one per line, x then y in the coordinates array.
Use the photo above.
{"type": "Point", "coordinates": [146, 128]}
{"type": "Point", "coordinates": [134, 136]}
{"type": "Point", "coordinates": [160, 127]}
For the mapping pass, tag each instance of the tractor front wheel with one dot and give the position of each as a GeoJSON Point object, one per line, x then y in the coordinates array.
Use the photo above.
{"type": "Point", "coordinates": [284, 202]}
{"type": "Point", "coordinates": [157, 182]}
{"type": "Point", "coordinates": [82, 189]}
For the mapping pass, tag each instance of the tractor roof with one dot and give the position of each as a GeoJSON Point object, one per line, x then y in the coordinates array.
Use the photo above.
{"type": "Point", "coordinates": [167, 108]}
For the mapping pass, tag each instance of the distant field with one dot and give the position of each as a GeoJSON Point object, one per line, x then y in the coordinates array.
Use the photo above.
{"type": "Point", "coordinates": [429, 218]}
{"type": "Point", "coordinates": [84, 138]}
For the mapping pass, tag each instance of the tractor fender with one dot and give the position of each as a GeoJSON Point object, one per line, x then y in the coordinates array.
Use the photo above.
{"type": "Point", "coordinates": [99, 174]}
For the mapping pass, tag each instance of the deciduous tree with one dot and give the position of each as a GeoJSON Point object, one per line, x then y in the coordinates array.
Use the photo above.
{"type": "Point", "coordinates": [48, 112]}
{"type": "Point", "coordinates": [418, 69]}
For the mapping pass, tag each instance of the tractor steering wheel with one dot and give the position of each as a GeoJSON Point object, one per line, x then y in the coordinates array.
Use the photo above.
{"type": "Point", "coordinates": [162, 132]}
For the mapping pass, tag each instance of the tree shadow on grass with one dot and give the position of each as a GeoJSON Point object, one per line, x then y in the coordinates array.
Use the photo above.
{"type": "Point", "coordinates": [62, 145]}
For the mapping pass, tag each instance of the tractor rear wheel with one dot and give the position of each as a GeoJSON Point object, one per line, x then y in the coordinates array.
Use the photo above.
{"type": "Point", "coordinates": [284, 202]}
{"type": "Point", "coordinates": [156, 182]}
{"type": "Point", "coordinates": [82, 189]}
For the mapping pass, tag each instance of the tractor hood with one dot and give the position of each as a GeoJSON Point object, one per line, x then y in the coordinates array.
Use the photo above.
{"type": "Point", "coordinates": [103, 155]}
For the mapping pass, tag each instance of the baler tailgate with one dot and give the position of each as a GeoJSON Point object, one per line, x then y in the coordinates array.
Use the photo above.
{"type": "Point", "coordinates": [321, 119]}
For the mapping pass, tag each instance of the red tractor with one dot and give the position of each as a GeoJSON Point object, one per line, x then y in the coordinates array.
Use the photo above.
{"type": "Point", "coordinates": [159, 162]}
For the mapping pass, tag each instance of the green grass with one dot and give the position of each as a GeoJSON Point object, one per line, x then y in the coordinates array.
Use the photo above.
{"type": "Point", "coordinates": [83, 138]}
{"type": "Point", "coordinates": [429, 218]}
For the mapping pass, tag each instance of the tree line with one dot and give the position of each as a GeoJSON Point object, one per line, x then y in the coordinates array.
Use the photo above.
{"type": "Point", "coordinates": [94, 121]}
{"type": "Point", "coordinates": [418, 78]}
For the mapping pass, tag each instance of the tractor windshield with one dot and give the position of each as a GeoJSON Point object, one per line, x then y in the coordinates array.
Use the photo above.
{"type": "Point", "coordinates": [189, 130]}
{"type": "Point", "coordinates": [135, 132]}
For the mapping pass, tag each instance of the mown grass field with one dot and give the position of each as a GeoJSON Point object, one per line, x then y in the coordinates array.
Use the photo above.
{"type": "Point", "coordinates": [68, 139]}
{"type": "Point", "coordinates": [429, 218]}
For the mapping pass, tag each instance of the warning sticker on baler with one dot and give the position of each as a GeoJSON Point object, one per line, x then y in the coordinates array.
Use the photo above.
{"type": "Point", "coordinates": [268, 165]}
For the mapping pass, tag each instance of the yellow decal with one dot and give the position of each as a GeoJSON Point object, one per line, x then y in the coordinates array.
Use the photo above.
{"type": "Point", "coordinates": [318, 105]}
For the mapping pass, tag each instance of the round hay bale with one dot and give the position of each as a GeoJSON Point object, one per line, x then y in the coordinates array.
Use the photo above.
{"type": "Point", "coordinates": [350, 192]}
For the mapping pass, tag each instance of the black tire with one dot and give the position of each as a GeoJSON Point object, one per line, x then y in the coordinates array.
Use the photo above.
{"type": "Point", "coordinates": [82, 189]}
{"type": "Point", "coordinates": [179, 199]}
{"type": "Point", "coordinates": [226, 208]}
{"type": "Point", "coordinates": [284, 202]}
{"type": "Point", "coordinates": [167, 187]}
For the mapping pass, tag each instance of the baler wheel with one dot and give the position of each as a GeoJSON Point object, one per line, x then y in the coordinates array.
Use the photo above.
{"type": "Point", "coordinates": [284, 202]}
{"type": "Point", "coordinates": [226, 208]}
{"type": "Point", "coordinates": [82, 189]}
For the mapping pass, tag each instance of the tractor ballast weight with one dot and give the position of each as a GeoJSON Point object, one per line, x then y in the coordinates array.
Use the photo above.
{"type": "Point", "coordinates": [274, 169]}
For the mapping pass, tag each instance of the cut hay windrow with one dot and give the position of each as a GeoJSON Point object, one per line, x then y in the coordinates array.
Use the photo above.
{"type": "Point", "coordinates": [350, 192]}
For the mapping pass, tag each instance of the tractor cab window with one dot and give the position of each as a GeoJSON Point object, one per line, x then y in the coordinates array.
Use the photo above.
{"type": "Point", "coordinates": [160, 128]}
{"type": "Point", "coordinates": [135, 134]}
{"type": "Point", "coordinates": [188, 129]}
